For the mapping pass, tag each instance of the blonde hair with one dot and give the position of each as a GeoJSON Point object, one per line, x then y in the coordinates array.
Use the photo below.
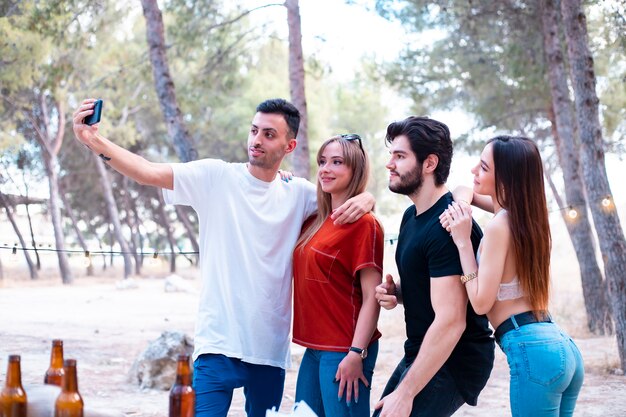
{"type": "Point", "coordinates": [355, 158]}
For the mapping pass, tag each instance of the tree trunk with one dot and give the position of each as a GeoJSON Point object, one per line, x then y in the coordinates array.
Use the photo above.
{"type": "Point", "coordinates": [30, 221]}
{"type": "Point", "coordinates": [114, 216]}
{"type": "Point", "coordinates": [7, 209]}
{"type": "Point", "coordinates": [132, 244]}
{"type": "Point", "coordinates": [182, 214]}
{"type": "Point", "coordinates": [605, 218]}
{"type": "Point", "coordinates": [57, 220]}
{"type": "Point", "coordinates": [111, 243]}
{"type": "Point", "coordinates": [301, 164]}
{"type": "Point", "coordinates": [165, 89]}
{"type": "Point", "coordinates": [32, 238]}
{"type": "Point", "coordinates": [595, 294]}
{"type": "Point", "coordinates": [579, 229]}
{"type": "Point", "coordinates": [50, 147]}
{"type": "Point", "coordinates": [165, 223]}
{"type": "Point", "coordinates": [104, 257]}
{"type": "Point", "coordinates": [79, 234]}
{"type": "Point", "coordinates": [133, 224]}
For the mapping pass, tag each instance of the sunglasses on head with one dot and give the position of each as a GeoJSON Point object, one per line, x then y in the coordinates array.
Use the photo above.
{"type": "Point", "coordinates": [351, 137]}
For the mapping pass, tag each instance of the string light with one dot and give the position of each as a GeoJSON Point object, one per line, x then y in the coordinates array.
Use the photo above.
{"type": "Point", "coordinates": [572, 213]}
{"type": "Point", "coordinates": [14, 259]}
{"type": "Point", "coordinates": [87, 259]}
{"type": "Point", "coordinates": [154, 261]}
{"type": "Point", "coordinates": [101, 252]}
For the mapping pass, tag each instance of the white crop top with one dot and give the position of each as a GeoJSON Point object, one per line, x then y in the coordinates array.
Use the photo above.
{"type": "Point", "coordinates": [508, 290]}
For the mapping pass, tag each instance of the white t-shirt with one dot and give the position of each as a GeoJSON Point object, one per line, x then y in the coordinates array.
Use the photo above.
{"type": "Point", "coordinates": [248, 229]}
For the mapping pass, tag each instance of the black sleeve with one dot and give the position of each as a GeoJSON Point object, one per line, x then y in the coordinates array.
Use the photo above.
{"type": "Point", "coordinates": [442, 253]}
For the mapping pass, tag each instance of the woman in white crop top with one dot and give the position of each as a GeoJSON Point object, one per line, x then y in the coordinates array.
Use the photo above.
{"type": "Point", "coordinates": [512, 284]}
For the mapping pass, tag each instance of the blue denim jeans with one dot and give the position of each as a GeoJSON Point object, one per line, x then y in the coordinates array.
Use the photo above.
{"type": "Point", "coordinates": [546, 370]}
{"type": "Point", "coordinates": [439, 398]}
{"type": "Point", "coordinates": [216, 376]}
{"type": "Point", "coordinates": [317, 387]}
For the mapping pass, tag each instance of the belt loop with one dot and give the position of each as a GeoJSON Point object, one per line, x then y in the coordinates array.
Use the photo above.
{"type": "Point", "coordinates": [514, 322]}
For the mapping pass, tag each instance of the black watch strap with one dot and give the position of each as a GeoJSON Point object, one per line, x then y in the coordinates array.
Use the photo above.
{"type": "Point", "coordinates": [362, 352]}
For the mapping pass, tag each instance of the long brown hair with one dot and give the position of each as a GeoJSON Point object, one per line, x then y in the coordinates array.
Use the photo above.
{"type": "Point", "coordinates": [520, 190]}
{"type": "Point", "coordinates": [355, 157]}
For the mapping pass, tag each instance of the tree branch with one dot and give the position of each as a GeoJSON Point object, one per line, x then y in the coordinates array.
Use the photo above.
{"type": "Point", "coordinates": [241, 16]}
{"type": "Point", "coordinates": [58, 140]}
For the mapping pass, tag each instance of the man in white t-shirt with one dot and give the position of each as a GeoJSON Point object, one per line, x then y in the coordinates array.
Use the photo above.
{"type": "Point", "coordinates": [249, 222]}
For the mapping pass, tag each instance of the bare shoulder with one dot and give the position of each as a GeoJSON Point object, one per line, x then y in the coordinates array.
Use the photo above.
{"type": "Point", "coordinates": [498, 227]}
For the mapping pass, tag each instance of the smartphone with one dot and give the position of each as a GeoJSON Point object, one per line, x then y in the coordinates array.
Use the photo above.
{"type": "Point", "coordinates": [94, 118]}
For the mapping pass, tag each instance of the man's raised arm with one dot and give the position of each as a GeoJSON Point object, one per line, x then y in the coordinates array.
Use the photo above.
{"type": "Point", "coordinates": [118, 158]}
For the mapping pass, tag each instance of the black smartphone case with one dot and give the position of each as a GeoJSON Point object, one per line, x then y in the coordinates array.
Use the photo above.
{"type": "Point", "coordinates": [97, 113]}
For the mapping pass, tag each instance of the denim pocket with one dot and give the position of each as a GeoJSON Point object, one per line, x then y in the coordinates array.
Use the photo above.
{"type": "Point", "coordinates": [544, 360]}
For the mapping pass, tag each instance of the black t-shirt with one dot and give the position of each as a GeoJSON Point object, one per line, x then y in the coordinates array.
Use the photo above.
{"type": "Point", "coordinates": [426, 250]}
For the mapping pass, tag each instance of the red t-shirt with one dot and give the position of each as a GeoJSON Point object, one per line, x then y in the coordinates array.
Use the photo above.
{"type": "Point", "coordinates": [327, 289]}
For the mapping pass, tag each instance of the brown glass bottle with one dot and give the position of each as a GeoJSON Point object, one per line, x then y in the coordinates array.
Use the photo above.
{"type": "Point", "coordinates": [13, 397]}
{"type": "Point", "coordinates": [54, 374]}
{"type": "Point", "coordinates": [182, 394]}
{"type": "Point", "coordinates": [69, 402]}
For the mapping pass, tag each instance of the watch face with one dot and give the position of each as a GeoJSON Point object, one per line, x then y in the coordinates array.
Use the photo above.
{"type": "Point", "coordinates": [364, 354]}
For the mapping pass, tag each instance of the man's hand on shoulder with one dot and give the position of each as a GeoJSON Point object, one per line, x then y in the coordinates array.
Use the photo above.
{"type": "Point", "coordinates": [353, 209]}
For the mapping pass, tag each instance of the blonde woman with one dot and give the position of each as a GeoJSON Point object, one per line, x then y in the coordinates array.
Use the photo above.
{"type": "Point", "coordinates": [336, 271]}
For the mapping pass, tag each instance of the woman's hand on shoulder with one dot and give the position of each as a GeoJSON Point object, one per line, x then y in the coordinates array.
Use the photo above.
{"type": "Point", "coordinates": [457, 220]}
{"type": "Point", "coordinates": [285, 175]}
{"type": "Point", "coordinates": [463, 193]}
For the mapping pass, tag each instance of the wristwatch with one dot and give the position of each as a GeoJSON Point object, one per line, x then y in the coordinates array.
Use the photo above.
{"type": "Point", "coordinates": [362, 352]}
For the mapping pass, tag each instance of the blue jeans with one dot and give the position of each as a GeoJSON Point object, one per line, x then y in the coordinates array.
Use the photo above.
{"type": "Point", "coordinates": [546, 370]}
{"type": "Point", "coordinates": [216, 376]}
{"type": "Point", "coordinates": [439, 398]}
{"type": "Point", "coordinates": [317, 387]}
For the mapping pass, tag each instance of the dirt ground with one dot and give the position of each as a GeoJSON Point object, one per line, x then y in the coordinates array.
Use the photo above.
{"type": "Point", "coordinates": [106, 328]}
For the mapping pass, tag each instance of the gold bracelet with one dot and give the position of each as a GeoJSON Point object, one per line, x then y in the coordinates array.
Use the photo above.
{"type": "Point", "coordinates": [468, 277]}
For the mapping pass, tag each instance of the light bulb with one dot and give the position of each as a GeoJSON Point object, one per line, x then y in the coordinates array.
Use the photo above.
{"type": "Point", "coordinates": [13, 258]}
{"type": "Point", "coordinates": [87, 259]}
{"type": "Point", "coordinates": [572, 213]}
{"type": "Point", "coordinates": [606, 202]}
{"type": "Point", "coordinates": [154, 261]}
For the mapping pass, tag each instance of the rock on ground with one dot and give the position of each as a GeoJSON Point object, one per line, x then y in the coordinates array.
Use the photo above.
{"type": "Point", "coordinates": [156, 365]}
